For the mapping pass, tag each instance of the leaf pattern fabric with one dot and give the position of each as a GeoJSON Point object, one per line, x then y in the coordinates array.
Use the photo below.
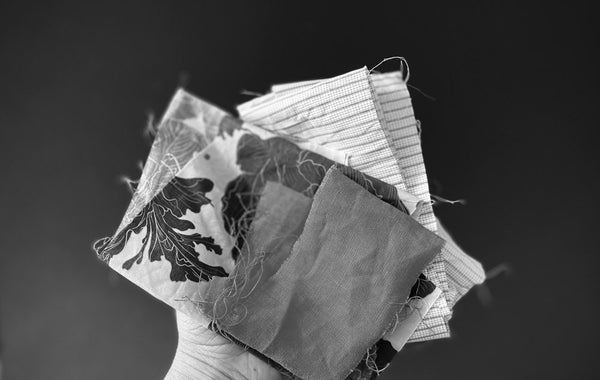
{"type": "Point", "coordinates": [189, 234]}
{"type": "Point", "coordinates": [165, 232]}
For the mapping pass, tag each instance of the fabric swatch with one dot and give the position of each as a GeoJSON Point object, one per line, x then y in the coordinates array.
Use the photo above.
{"type": "Point", "coordinates": [397, 109]}
{"type": "Point", "coordinates": [331, 112]}
{"type": "Point", "coordinates": [224, 207]}
{"type": "Point", "coordinates": [351, 270]}
{"type": "Point", "coordinates": [338, 113]}
{"type": "Point", "coordinates": [278, 222]}
{"type": "Point", "coordinates": [188, 126]}
{"type": "Point", "coordinates": [191, 233]}
{"type": "Point", "coordinates": [463, 272]}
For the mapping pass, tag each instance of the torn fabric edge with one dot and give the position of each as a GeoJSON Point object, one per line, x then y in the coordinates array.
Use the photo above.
{"type": "Point", "coordinates": [334, 114]}
{"type": "Point", "coordinates": [188, 125]}
{"type": "Point", "coordinates": [399, 115]}
{"type": "Point", "coordinates": [463, 271]}
{"type": "Point", "coordinates": [267, 110]}
{"type": "Point", "coordinates": [396, 273]}
{"type": "Point", "coordinates": [153, 284]}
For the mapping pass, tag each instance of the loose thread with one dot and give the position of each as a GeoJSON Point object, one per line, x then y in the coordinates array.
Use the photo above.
{"type": "Point", "coordinates": [438, 199]}
{"type": "Point", "coordinates": [404, 68]}
{"type": "Point", "coordinates": [422, 92]}
{"type": "Point", "coordinates": [483, 291]}
{"type": "Point", "coordinates": [131, 184]}
{"type": "Point", "coordinates": [151, 127]}
{"type": "Point", "coordinates": [251, 93]}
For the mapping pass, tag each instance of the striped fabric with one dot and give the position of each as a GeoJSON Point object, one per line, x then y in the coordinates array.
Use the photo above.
{"type": "Point", "coordinates": [339, 114]}
{"type": "Point", "coordinates": [463, 272]}
{"type": "Point", "coordinates": [395, 101]}
{"type": "Point", "coordinates": [329, 112]}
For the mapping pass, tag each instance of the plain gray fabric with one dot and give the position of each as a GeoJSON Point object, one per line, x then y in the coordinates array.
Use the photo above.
{"type": "Point", "coordinates": [278, 222]}
{"type": "Point", "coordinates": [280, 217]}
{"type": "Point", "coordinates": [339, 290]}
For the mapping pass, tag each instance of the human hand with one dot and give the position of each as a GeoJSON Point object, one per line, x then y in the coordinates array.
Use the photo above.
{"type": "Point", "coordinates": [204, 354]}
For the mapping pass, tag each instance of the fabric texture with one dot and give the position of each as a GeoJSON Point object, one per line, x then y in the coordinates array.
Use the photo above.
{"type": "Point", "coordinates": [370, 117]}
{"type": "Point", "coordinates": [338, 113]}
{"type": "Point", "coordinates": [186, 240]}
{"type": "Point", "coordinates": [221, 205]}
{"type": "Point", "coordinates": [277, 224]}
{"type": "Point", "coordinates": [354, 250]}
{"type": "Point", "coordinates": [463, 272]}
{"type": "Point", "coordinates": [397, 108]}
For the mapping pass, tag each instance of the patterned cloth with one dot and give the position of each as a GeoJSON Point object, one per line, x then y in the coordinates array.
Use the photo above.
{"type": "Point", "coordinates": [369, 119]}
{"type": "Point", "coordinates": [187, 235]}
{"type": "Point", "coordinates": [463, 272]}
{"type": "Point", "coordinates": [207, 207]}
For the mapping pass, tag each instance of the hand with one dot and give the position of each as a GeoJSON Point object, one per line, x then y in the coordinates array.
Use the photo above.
{"type": "Point", "coordinates": [204, 354]}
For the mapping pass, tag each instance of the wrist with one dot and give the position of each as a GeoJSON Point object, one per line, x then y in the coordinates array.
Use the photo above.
{"type": "Point", "coordinates": [203, 354]}
{"type": "Point", "coordinates": [199, 351]}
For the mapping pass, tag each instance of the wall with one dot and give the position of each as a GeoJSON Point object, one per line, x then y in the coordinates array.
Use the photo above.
{"type": "Point", "coordinates": [510, 130]}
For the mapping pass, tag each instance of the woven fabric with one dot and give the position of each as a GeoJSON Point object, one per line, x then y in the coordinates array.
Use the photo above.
{"type": "Point", "coordinates": [185, 240]}
{"type": "Point", "coordinates": [278, 223]}
{"type": "Point", "coordinates": [185, 236]}
{"type": "Point", "coordinates": [463, 270]}
{"type": "Point", "coordinates": [339, 113]}
{"type": "Point", "coordinates": [395, 101]}
{"type": "Point", "coordinates": [398, 113]}
{"type": "Point", "coordinates": [351, 270]}
{"type": "Point", "coordinates": [188, 126]}
{"type": "Point", "coordinates": [383, 141]}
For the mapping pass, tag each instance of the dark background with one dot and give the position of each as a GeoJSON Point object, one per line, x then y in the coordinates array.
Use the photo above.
{"type": "Point", "coordinates": [511, 130]}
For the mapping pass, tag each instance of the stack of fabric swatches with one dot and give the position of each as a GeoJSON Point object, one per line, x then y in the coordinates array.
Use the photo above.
{"type": "Point", "coordinates": [303, 229]}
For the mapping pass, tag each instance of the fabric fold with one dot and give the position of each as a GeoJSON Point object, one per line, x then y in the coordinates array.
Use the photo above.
{"type": "Point", "coordinates": [349, 273]}
{"type": "Point", "coordinates": [369, 116]}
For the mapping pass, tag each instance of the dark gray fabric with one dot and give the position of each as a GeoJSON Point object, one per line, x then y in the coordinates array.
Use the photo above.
{"type": "Point", "coordinates": [348, 275]}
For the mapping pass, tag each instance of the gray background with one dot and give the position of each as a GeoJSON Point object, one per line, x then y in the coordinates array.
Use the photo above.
{"type": "Point", "coordinates": [511, 130]}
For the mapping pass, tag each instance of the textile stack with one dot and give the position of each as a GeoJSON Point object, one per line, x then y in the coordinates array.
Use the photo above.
{"type": "Point", "coordinates": [302, 229]}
